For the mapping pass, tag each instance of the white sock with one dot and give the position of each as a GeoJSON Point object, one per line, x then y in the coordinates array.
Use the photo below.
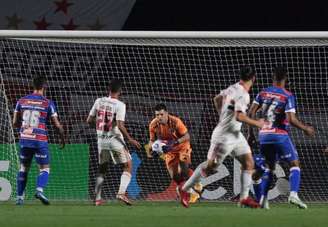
{"type": "Point", "coordinates": [195, 177]}
{"type": "Point", "coordinates": [246, 182]}
{"type": "Point", "coordinates": [99, 182]}
{"type": "Point", "coordinates": [294, 194]}
{"type": "Point", "coordinates": [125, 180]}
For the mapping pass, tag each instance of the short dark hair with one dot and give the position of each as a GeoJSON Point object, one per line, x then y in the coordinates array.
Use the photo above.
{"type": "Point", "coordinates": [160, 106]}
{"type": "Point", "coordinates": [115, 85]}
{"type": "Point", "coordinates": [246, 73]}
{"type": "Point", "coordinates": [279, 73]}
{"type": "Point", "coordinates": [39, 82]}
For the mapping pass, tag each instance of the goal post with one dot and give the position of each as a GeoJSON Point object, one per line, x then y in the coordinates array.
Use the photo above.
{"type": "Point", "coordinates": [184, 70]}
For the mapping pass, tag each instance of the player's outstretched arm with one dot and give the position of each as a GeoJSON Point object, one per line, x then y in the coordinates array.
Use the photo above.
{"type": "Point", "coordinates": [242, 117]}
{"type": "Point", "coordinates": [293, 120]}
{"type": "Point", "coordinates": [122, 128]}
{"type": "Point", "coordinates": [60, 128]}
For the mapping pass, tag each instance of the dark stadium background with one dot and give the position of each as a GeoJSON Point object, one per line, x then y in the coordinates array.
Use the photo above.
{"type": "Point", "coordinates": [228, 15]}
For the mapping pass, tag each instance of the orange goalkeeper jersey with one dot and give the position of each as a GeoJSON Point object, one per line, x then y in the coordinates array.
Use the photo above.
{"type": "Point", "coordinates": [173, 130]}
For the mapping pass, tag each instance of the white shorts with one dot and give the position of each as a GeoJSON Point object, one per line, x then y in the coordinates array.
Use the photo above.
{"type": "Point", "coordinates": [227, 144]}
{"type": "Point", "coordinates": [113, 148]}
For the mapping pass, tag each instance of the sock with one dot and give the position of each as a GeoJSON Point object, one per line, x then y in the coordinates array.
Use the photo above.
{"type": "Point", "coordinates": [99, 182]}
{"type": "Point", "coordinates": [184, 178]}
{"type": "Point", "coordinates": [42, 179]}
{"type": "Point", "coordinates": [125, 180]}
{"type": "Point", "coordinates": [294, 179]}
{"type": "Point", "coordinates": [257, 186]}
{"type": "Point", "coordinates": [195, 177]}
{"type": "Point", "coordinates": [246, 182]}
{"type": "Point", "coordinates": [266, 182]}
{"type": "Point", "coordinates": [21, 183]}
{"type": "Point", "coordinates": [190, 172]}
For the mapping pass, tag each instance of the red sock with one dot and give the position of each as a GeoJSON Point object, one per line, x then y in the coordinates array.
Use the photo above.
{"type": "Point", "coordinates": [190, 172]}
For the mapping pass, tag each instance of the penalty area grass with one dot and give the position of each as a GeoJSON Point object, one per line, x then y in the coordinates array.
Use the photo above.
{"type": "Point", "coordinates": [158, 214]}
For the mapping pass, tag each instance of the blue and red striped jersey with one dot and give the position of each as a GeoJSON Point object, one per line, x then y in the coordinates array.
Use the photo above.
{"type": "Point", "coordinates": [275, 102]}
{"type": "Point", "coordinates": [35, 111]}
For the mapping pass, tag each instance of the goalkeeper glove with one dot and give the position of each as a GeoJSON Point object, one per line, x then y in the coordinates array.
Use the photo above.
{"type": "Point", "coordinates": [169, 146]}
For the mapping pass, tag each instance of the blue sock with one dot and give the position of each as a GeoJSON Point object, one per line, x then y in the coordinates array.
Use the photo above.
{"type": "Point", "coordinates": [294, 179]}
{"type": "Point", "coordinates": [42, 180]}
{"type": "Point", "coordinates": [21, 182]}
{"type": "Point", "coordinates": [266, 181]}
{"type": "Point", "coordinates": [258, 190]}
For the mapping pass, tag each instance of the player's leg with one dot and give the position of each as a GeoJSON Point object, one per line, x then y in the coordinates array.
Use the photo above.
{"type": "Point", "coordinates": [260, 171]}
{"type": "Point", "coordinates": [172, 166]}
{"type": "Point", "coordinates": [257, 184]}
{"type": "Point", "coordinates": [186, 172]}
{"type": "Point", "coordinates": [215, 157]}
{"type": "Point", "coordinates": [247, 168]}
{"type": "Point", "coordinates": [120, 154]}
{"type": "Point", "coordinates": [103, 159]}
{"type": "Point", "coordinates": [290, 155]}
{"type": "Point", "coordinates": [269, 152]}
{"type": "Point", "coordinates": [124, 183]}
{"type": "Point", "coordinates": [42, 158]}
{"type": "Point", "coordinates": [243, 153]}
{"type": "Point", "coordinates": [25, 156]}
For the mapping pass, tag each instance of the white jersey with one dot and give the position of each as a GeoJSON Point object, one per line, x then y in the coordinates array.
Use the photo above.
{"type": "Point", "coordinates": [235, 98]}
{"type": "Point", "coordinates": [107, 111]}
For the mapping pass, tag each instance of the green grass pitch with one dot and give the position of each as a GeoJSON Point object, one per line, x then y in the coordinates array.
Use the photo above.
{"type": "Point", "coordinates": [158, 214]}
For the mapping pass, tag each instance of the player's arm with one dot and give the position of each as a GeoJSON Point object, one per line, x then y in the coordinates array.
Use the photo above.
{"type": "Point", "coordinates": [152, 138]}
{"type": "Point", "coordinates": [242, 117]}
{"type": "Point", "coordinates": [184, 138]}
{"type": "Point", "coordinates": [294, 121]}
{"type": "Point", "coordinates": [292, 118]}
{"type": "Point", "coordinates": [55, 121]}
{"type": "Point", "coordinates": [218, 102]}
{"type": "Point", "coordinates": [240, 112]}
{"type": "Point", "coordinates": [91, 120]}
{"type": "Point", "coordinates": [252, 114]}
{"type": "Point", "coordinates": [181, 130]}
{"type": "Point", "coordinates": [122, 128]}
{"type": "Point", "coordinates": [17, 119]}
{"type": "Point", "coordinates": [59, 126]}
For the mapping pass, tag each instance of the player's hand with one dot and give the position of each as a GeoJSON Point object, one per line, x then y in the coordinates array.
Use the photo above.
{"type": "Point", "coordinates": [62, 141]}
{"type": "Point", "coordinates": [309, 130]}
{"type": "Point", "coordinates": [135, 143]}
{"type": "Point", "coordinates": [62, 145]}
{"type": "Point", "coordinates": [169, 146]}
{"type": "Point", "coordinates": [260, 123]}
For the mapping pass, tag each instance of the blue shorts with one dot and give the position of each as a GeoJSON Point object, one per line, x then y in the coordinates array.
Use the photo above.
{"type": "Point", "coordinates": [41, 154]}
{"type": "Point", "coordinates": [284, 151]}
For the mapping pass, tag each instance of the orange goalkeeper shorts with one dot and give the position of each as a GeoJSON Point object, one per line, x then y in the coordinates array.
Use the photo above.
{"type": "Point", "coordinates": [173, 158]}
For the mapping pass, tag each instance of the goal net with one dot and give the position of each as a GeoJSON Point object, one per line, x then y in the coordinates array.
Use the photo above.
{"type": "Point", "coordinates": [183, 72]}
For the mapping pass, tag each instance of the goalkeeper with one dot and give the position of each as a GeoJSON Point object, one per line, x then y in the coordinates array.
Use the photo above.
{"type": "Point", "coordinates": [177, 151]}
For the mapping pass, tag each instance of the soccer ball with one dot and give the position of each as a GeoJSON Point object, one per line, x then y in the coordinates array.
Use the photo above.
{"type": "Point", "coordinates": [157, 146]}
